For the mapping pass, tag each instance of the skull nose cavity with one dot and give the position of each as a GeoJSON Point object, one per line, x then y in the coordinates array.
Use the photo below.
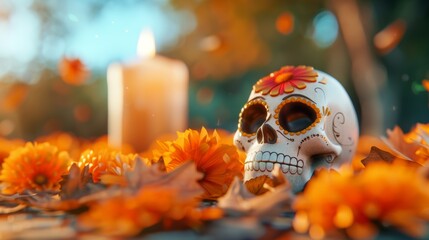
{"type": "Point", "coordinates": [266, 134]}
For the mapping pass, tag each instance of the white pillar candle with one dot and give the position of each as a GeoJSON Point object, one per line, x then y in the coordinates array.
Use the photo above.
{"type": "Point", "coordinates": [146, 98]}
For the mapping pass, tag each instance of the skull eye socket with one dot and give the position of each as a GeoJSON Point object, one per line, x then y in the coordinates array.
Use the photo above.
{"type": "Point", "coordinates": [252, 117]}
{"type": "Point", "coordinates": [296, 116]}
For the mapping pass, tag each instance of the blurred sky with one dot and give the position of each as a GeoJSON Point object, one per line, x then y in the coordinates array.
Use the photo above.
{"type": "Point", "coordinates": [111, 35]}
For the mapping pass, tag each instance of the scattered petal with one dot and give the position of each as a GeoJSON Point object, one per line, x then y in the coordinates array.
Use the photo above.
{"type": "Point", "coordinates": [388, 38]}
{"type": "Point", "coordinates": [73, 71]}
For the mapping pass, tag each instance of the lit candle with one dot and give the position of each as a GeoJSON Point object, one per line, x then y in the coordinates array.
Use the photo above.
{"type": "Point", "coordinates": [146, 98]}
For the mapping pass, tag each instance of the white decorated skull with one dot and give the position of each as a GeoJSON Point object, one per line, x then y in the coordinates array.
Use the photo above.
{"type": "Point", "coordinates": [299, 119]}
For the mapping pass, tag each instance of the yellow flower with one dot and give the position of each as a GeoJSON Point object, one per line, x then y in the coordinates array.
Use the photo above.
{"type": "Point", "coordinates": [36, 167]}
{"type": "Point", "coordinates": [106, 162]}
{"type": "Point", "coordinates": [130, 214]}
{"type": "Point", "coordinates": [218, 162]}
{"type": "Point", "coordinates": [389, 194]}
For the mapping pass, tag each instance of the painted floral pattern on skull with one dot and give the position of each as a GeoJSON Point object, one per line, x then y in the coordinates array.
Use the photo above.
{"type": "Point", "coordinates": [286, 80]}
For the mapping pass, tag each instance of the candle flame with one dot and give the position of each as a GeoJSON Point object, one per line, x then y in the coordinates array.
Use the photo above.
{"type": "Point", "coordinates": [146, 44]}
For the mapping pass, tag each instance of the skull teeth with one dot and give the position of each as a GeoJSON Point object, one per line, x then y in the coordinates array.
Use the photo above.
{"type": "Point", "coordinates": [265, 161]}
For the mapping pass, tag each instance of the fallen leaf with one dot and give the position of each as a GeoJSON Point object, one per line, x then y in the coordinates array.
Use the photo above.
{"type": "Point", "coordinates": [77, 183]}
{"type": "Point", "coordinates": [264, 183]}
{"type": "Point", "coordinates": [184, 177]}
{"type": "Point", "coordinates": [377, 154]}
{"type": "Point", "coordinates": [258, 185]}
{"type": "Point", "coordinates": [12, 209]}
{"type": "Point", "coordinates": [364, 147]}
{"type": "Point", "coordinates": [142, 175]}
{"type": "Point", "coordinates": [396, 142]}
{"type": "Point", "coordinates": [238, 201]}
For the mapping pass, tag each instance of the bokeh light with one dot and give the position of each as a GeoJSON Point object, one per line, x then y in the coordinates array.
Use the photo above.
{"type": "Point", "coordinates": [285, 23]}
{"type": "Point", "coordinates": [205, 96]}
{"type": "Point", "coordinates": [388, 38]}
{"type": "Point", "coordinates": [325, 29]}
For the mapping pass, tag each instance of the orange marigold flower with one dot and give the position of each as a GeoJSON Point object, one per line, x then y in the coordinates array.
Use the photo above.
{"type": "Point", "coordinates": [103, 143]}
{"type": "Point", "coordinates": [106, 162]}
{"type": "Point", "coordinates": [65, 142]}
{"type": "Point", "coordinates": [129, 215]}
{"type": "Point", "coordinates": [7, 146]}
{"type": "Point", "coordinates": [395, 195]}
{"type": "Point", "coordinates": [218, 162]}
{"type": "Point", "coordinates": [36, 167]}
{"type": "Point", "coordinates": [390, 194]}
{"type": "Point", "coordinates": [73, 71]}
{"type": "Point", "coordinates": [286, 80]}
{"type": "Point", "coordinates": [158, 147]}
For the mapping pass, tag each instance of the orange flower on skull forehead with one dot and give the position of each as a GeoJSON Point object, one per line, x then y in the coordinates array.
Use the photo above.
{"type": "Point", "coordinates": [218, 162]}
{"type": "Point", "coordinates": [106, 162]}
{"type": "Point", "coordinates": [130, 214]}
{"type": "Point", "coordinates": [390, 194]}
{"type": "Point", "coordinates": [35, 167]}
{"type": "Point", "coordinates": [286, 80]}
{"type": "Point", "coordinates": [73, 71]}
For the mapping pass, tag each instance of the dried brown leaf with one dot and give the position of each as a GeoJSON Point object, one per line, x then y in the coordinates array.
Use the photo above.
{"type": "Point", "coordinates": [74, 187]}
{"type": "Point", "coordinates": [184, 177]}
{"type": "Point", "coordinates": [12, 209]}
{"type": "Point", "coordinates": [78, 183]}
{"type": "Point", "coordinates": [239, 200]}
{"type": "Point", "coordinates": [142, 175]}
{"type": "Point", "coordinates": [377, 154]}
{"type": "Point", "coordinates": [396, 142]}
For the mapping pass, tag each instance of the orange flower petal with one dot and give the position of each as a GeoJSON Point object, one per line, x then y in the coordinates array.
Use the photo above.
{"type": "Point", "coordinates": [73, 71]}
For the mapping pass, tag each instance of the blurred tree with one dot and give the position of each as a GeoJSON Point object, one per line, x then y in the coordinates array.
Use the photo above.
{"type": "Point", "coordinates": [228, 46]}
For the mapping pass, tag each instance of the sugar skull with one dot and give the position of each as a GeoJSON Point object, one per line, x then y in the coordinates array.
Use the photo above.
{"type": "Point", "coordinates": [297, 119]}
